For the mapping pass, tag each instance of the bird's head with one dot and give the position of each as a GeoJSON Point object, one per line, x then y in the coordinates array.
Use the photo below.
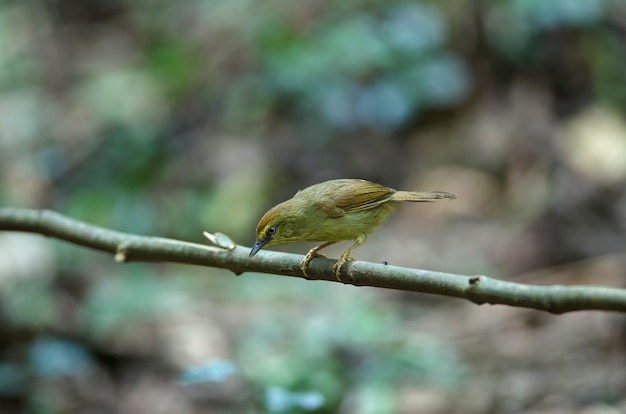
{"type": "Point", "coordinates": [275, 227]}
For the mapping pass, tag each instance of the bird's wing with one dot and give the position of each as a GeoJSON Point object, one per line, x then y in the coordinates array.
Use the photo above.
{"type": "Point", "coordinates": [353, 198]}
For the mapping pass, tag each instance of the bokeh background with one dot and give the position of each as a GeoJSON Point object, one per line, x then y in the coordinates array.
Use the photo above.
{"type": "Point", "coordinates": [171, 118]}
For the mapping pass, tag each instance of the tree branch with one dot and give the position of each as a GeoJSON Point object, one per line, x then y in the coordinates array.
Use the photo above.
{"type": "Point", "coordinates": [478, 289]}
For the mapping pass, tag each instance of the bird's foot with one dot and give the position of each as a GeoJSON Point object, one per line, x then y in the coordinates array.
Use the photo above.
{"type": "Point", "coordinates": [312, 254]}
{"type": "Point", "coordinates": [337, 267]}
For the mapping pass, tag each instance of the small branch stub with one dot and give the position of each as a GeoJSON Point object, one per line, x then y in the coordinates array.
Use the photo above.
{"type": "Point", "coordinates": [474, 280]}
{"type": "Point", "coordinates": [121, 256]}
{"type": "Point", "coordinates": [220, 240]}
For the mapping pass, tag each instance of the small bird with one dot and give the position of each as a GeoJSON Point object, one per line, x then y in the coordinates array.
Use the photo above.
{"type": "Point", "coordinates": [333, 211]}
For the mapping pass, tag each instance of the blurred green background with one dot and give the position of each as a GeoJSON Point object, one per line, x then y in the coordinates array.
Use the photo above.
{"type": "Point", "coordinates": [171, 118]}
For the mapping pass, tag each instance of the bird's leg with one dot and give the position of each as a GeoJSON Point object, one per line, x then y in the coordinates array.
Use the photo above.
{"type": "Point", "coordinates": [346, 256]}
{"type": "Point", "coordinates": [312, 254]}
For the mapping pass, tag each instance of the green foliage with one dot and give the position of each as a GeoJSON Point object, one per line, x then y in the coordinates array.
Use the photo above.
{"type": "Point", "coordinates": [172, 66]}
{"type": "Point", "coordinates": [516, 27]}
{"type": "Point", "coordinates": [376, 69]}
{"type": "Point", "coordinates": [169, 118]}
{"type": "Point", "coordinates": [115, 303]}
{"type": "Point", "coordinates": [31, 305]}
{"type": "Point", "coordinates": [356, 344]}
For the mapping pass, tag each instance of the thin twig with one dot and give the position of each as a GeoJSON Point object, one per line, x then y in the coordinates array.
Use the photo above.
{"type": "Point", "coordinates": [478, 289]}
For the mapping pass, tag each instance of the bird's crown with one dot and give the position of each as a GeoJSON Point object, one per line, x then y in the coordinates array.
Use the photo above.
{"type": "Point", "coordinates": [268, 221]}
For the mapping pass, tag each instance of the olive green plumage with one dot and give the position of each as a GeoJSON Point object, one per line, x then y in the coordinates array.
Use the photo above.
{"type": "Point", "coordinates": [333, 211]}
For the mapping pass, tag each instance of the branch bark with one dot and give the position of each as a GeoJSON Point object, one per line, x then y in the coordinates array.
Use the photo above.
{"type": "Point", "coordinates": [478, 289]}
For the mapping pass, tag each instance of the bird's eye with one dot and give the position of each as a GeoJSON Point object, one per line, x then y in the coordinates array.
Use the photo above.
{"type": "Point", "coordinates": [271, 230]}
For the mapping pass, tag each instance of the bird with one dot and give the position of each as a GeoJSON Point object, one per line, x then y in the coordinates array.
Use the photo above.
{"type": "Point", "coordinates": [334, 211]}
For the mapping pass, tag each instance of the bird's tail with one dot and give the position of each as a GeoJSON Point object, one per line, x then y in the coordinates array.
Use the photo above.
{"type": "Point", "coordinates": [421, 195]}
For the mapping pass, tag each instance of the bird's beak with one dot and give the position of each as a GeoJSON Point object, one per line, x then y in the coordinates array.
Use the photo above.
{"type": "Point", "coordinates": [259, 245]}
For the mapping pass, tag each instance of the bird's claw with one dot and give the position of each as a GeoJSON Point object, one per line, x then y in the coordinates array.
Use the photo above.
{"type": "Point", "coordinates": [337, 267]}
{"type": "Point", "coordinates": [307, 259]}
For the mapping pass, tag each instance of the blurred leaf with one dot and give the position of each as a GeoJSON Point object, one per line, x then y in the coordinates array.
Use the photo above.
{"type": "Point", "coordinates": [133, 296]}
{"type": "Point", "coordinates": [556, 13]}
{"type": "Point", "coordinates": [604, 55]}
{"type": "Point", "coordinates": [413, 27]}
{"type": "Point", "coordinates": [52, 357]}
{"type": "Point", "coordinates": [18, 65]}
{"type": "Point", "coordinates": [25, 118]}
{"type": "Point", "coordinates": [280, 400]}
{"type": "Point", "coordinates": [353, 341]}
{"type": "Point", "coordinates": [173, 65]}
{"type": "Point", "coordinates": [374, 398]}
{"type": "Point", "coordinates": [427, 360]}
{"type": "Point", "coordinates": [353, 72]}
{"type": "Point", "coordinates": [107, 207]}
{"type": "Point", "coordinates": [227, 209]}
{"type": "Point", "coordinates": [442, 80]}
{"type": "Point", "coordinates": [32, 305]}
{"type": "Point", "coordinates": [384, 105]}
{"type": "Point", "coordinates": [126, 96]}
{"type": "Point", "coordinates": [123, 158]}
{"type": "Point", "coordinates": [512, 25]}
{"type": "Point", "coordinates": [12, 380]}
{"type": "Point", "coordinates": [213, 371]}
{"type": "Point", "coordinates": [339, 44]}
{"type": "Point", "coordinates": [336, 103]}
